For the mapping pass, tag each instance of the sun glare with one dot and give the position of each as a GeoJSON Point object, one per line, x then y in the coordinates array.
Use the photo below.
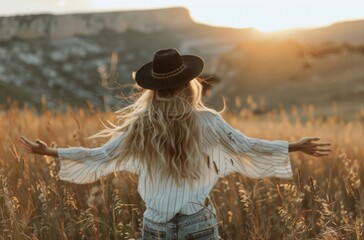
{"type": "Point", "coordinates": [276, 28]}
{"type": "Point", "coordinates": [263, 15]}
{"type": "Point", "coordinates": [61, 3]}
{"type": "Point", "coordinates": [279, 15]}
{"type": "Point", "coordinates": [262, 24]}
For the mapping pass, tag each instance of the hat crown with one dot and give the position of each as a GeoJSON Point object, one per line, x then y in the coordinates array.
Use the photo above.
{"type": "Point", "coordinates": [168, 69]}
{"type": "Point", "coordinates": [166, 60]}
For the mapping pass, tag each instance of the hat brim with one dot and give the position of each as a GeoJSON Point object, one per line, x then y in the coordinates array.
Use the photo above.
{"type": "Point", "coordinates": [145, 79]}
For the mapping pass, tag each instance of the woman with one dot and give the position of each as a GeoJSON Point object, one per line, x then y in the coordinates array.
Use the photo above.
{"type": "Point", "coordinates": [178, 147]}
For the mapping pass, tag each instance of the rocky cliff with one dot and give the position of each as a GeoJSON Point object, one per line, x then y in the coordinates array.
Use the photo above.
{"type": "Point", "coordinates": [61, 56]}
{"type": "Point", "coordinates": [62, 26]}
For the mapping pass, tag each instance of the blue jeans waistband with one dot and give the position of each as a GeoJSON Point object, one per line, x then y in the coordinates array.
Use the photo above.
{"type": "Point", "coordinates": [202, 224]}
{"type": "Point", "coordinates": [180, 219]}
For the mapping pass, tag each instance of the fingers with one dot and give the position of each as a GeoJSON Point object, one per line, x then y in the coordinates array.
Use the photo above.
{"type": "Point", "coordinates": [313, 138]}
{"type": "Point", "coordinates": [321, 144]}
{"type": "Point", "coordinates": [317, 149]}
{"type": "Point", "coordinates": [28, 150]}
{"type": "Point", "coordinates": [28, 145]}
{"type": "Point", "coordinates": [317, 152]}
{"type": "Point", "coordinates": [323, 149]}
{"type": "Point", "coordinates": [25, 140]}
{"type": "Point", "coordinates": [323, 152]}
{"type": "Point", "coordinates": [314, 148]}
{"type": "Point", "coordinates": [41, 143]}
{"type": "Point", "coordinates": [310, 145]}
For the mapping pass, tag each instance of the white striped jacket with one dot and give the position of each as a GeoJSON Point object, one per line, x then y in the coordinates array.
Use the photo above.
{"type": "Point", "coordinates": [257, 158]}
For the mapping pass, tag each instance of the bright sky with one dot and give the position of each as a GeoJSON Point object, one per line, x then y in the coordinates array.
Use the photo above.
{"type": "Point", "coordinates": [265, 15]}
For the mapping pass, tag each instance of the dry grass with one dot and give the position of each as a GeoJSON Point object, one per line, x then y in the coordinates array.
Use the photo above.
{"type": "Point", "coordinates": [325, 200]}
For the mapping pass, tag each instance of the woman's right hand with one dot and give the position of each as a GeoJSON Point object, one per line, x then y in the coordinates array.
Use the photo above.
{"type": "Point", "coordinates": [309, 146]}
{"type": "Point", "coordinates": [37, 147]}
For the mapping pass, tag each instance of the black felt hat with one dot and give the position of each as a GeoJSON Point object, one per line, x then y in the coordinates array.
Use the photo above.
{"type": "Point", "coordinates": [168, 70]}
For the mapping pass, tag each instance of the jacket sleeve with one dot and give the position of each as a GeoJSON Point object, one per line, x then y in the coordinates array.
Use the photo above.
{"type": "Point", "coordinates": [252, 157]}
{"type": "Point", "coordinates": [86, 165]}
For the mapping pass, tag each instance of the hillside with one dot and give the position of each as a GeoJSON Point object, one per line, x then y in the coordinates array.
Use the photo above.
{"type": "Point", "coordinates": [39, 56]}
{"type": "Point", "coordinates": [65, 57]}
{"type": "Point", "coordinates": [295, 74]}
{"type": "Point", "coordinates": [351, 31]}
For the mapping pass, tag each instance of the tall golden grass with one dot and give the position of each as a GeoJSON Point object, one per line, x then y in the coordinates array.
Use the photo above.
{"type": "Point", "coordinates": [324, 201]}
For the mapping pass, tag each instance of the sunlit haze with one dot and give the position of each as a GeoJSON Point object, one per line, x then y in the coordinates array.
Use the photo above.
{"type": "Point", "coordinates": [264, 15]}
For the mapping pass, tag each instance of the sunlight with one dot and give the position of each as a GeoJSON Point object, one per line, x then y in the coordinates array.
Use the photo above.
{"type": "Point", "coordinates": [268, 16]}
{"type": "Point", "coordinates": [263, 15]}
{"type": "Point", "coordinates": [61, 3]}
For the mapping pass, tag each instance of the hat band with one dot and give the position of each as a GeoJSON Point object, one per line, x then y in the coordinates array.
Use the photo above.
{"type": "Point", "coordinates": [169, 74]}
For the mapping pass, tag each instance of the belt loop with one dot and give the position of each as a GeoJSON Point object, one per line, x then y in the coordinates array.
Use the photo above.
{"type": "Point", "coordinates": [207, 201]}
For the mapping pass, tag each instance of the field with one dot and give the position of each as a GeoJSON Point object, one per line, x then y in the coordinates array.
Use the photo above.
{"type": "Point", "coordinates": [325, 200]}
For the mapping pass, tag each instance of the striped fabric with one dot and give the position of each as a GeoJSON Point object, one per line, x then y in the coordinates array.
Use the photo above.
{"type": "Point", "coordinates": [228, 149]}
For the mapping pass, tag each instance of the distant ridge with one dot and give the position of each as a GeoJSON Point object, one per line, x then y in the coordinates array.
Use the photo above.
{"type": "Point", "coordinates": [28, 27]}
{"type": "Point", "coordinates": [60, 26]}
{"type": "Point", "coordinates": [349, 31]}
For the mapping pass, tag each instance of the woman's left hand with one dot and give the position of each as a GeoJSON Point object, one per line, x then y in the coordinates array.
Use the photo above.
{"type": "Point", "coordinates": [37, 147]}
{"type": "Point", "coordinates": [309, 146]}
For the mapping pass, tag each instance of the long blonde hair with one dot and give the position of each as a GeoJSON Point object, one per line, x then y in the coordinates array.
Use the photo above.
{"type": "Point", "coordinates": [162, 132]}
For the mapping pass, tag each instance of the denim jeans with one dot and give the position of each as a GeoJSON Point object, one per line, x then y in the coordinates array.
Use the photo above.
{"type": "Point", "coordinates": [202, 225]}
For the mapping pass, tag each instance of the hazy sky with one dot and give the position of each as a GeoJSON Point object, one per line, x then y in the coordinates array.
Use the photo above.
{"type": "Point", "coordinates": [265, 15]}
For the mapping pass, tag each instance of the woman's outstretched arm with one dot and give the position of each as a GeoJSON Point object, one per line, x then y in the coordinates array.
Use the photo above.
{"type": "Point", "coordinates": [84, 165]}
{"type": "Point", "coordinates": [259, 158]}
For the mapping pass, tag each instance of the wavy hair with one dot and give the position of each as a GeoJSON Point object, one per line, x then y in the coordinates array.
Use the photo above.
{"type": "Point", "coordinates": [162, 132]}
